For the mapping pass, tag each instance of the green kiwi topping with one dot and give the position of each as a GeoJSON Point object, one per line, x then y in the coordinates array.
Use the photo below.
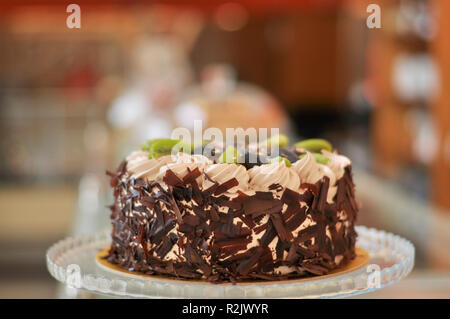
{"type": "Point", "coordinates": [147, 146]}
{"type": "Point", "coordinates": [280, 159]}
{"type": "Point", "coordinates": [164, 146]}
{"type": "Point", "coordinates": [320, 158]}
{"type": "Point", "coordinates": [315, 145]}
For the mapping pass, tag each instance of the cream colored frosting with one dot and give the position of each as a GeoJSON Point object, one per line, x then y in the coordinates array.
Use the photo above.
{"type": "Point", "coordinates": [311, 172]}
{"type": "Point", "coordinates": [140, 166]}
{"type": "Point", "coordinates": [222, 173]}
{"type": "Point", "coordinates": [135, 159]}
{"type": "Point", "coordinates": [258, 178]}
{"type": "Point", "coordinates": [308, 169]}
{"type": "Point", "coordinates": [337, 163]}
{"type": "Point", "coordinates": [261, 177]}
{"type": "Point", "coordinates": [182, 163]}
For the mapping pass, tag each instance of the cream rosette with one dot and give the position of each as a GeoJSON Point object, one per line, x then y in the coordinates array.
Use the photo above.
{"type": "Point", "coordinates": [140, 166]}
{"type": "Point", "coordinates": [263, 176]}
{"type": "Point", "coordinates": [337, 163]}
{"type": "Point", "coordinates": [311, 172]}
{"type": "Point", "coordinates": [182, 163]}
{"type": "Point", "coordinates": [221, 173]}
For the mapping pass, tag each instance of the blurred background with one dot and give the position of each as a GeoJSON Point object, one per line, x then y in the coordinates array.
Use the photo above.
{"type": "Point", "coordinates": [74, 102]}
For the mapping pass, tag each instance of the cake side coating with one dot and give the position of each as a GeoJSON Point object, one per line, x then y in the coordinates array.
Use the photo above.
{"type": "Point", "coordinates": [192, 219]}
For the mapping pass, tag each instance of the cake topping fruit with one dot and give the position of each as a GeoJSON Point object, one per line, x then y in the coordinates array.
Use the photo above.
{"type": "Point", "coordinates": [148, 144]}
{"type": "Point", "coordinates": [164, 146]}
{"type": "Point", "coordinates": [280, 159]}
{"type": "Point", "coordinates": [315, 145]}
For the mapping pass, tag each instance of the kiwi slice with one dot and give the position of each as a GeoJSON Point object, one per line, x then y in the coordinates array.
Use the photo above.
{"type": "Point", "coordinates": [147, 146]}
{"type": "Point", "coordinates": [280, 140]}
{"type": "Point", "coordinates": [315, 145]}
{"type": "Point", "coordinates": [165, 146]}
{"type": "Point", "coordinates": [230, 155]}
{"type": "Point", "coordinates": [281, 159]}
{"type": "Point", "coordinates": [320, 158]}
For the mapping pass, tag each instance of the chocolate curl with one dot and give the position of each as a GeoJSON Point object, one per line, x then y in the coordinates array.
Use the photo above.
{"type": "Point", "coordinates": [176, 210]}
{"type": "Point", "coordinates": [283, 234]}
{"type": "Point", "coordinates": [246, 265]}
{"type": "Point", "coordinates": [226, 186]}
{"type": "Point", "coordinates": [315, 269]}
{"type": "Point", "coordinates": [320, 200]}
{"type": "Point", "coordinates": [311, 187]}
{"type": "Point", "coordinates": [171, 179]}
{"type": "Point", "coordinates": [191, 176]}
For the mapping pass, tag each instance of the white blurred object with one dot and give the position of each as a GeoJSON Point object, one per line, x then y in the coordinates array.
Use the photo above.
{"type": "Point", "coordinates": [423, 130]}
{"type": "Point", "coordinates": [218, 80]}
{"type": "Point", "coordinates": [414, 17]}
{"type": "Point", "coordinates": [154, 126]}
{"type": "Point", "coordinates": [128, 109]}
{"type": "Point", "coordinates": [186, 113]}
{"type": "Point", "coordinates": [88, 207]}
{"type": "Point", "coordinates": [160, 62]}
{"type": "Point", "coordinates": [160, 71]}
{"type": "Point", "coordinates": [415, 77]}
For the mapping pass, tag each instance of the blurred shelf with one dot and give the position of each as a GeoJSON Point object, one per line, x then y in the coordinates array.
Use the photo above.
{"type": "Point", "coordinates": [35, 214]}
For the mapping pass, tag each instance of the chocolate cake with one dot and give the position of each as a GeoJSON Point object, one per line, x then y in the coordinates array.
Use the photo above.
{"type": "Point", "coordinates": [197, 217]}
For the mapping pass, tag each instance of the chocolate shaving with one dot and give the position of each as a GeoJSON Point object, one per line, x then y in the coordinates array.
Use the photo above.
{"type": "Point", "coordinates": [226, 186]}
{"type": "Point", "coordinates": [176, 210]}
{"type": "Point", "coordinates": [191, 176]}
{"type": "Point", "coordinates": [171, 179]}
{"type": "Point", "coordinates": [246, 265]}
{"type": "Point", "coordinates": [282, 232]}
{"type": "Point", "coordinates": [256, 206]}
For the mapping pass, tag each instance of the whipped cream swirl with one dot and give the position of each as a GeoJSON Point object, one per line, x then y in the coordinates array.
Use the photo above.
{"type": "Point", "coordinates": [337, 163]}
{"type": "Point", "coordinates": [222, 173]}
{"type": "Point", "coordinates": [140, 166]}
{"type": "Point", "coordinates": [311, 172]}
{"type": "Point", "coordinates": [261, 177]}
{"type": "Point", "coordinates": [184, 161]}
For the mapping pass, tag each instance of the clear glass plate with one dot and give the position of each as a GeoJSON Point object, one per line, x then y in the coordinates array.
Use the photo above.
{"type": "Point", "coordinates": [72, 262]}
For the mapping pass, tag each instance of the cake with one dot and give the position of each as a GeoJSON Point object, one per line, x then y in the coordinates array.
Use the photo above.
{"type": "Point", "coordinates": [213, 218]}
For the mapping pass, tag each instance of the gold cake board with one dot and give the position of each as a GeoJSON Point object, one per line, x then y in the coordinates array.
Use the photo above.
{"type": "Point", "coordinates": [362, 258]}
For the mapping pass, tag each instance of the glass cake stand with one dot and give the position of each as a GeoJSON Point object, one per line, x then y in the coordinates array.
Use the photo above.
{"type": "Point", "coordinates": [72, 261]}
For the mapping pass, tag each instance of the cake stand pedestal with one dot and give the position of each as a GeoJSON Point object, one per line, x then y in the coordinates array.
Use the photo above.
{"type": "Point", "coordinates": [72, 261]}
